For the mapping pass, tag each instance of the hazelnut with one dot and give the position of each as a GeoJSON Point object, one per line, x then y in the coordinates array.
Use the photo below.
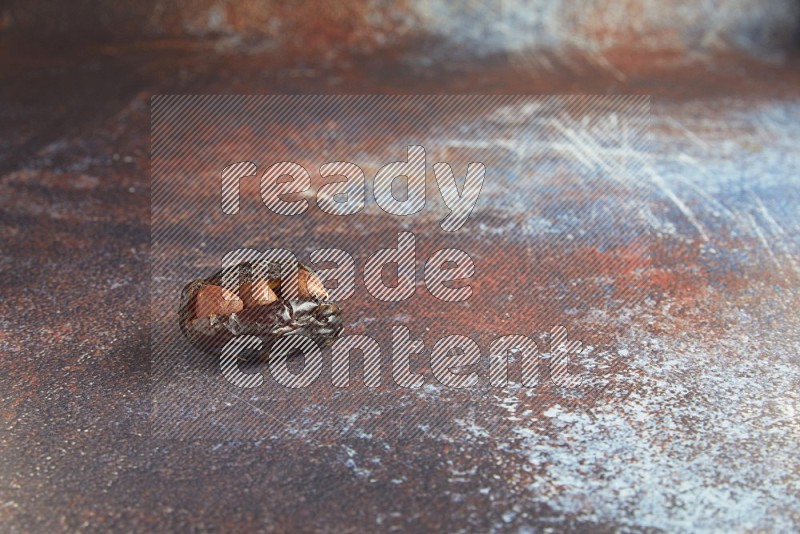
{"type": "Point", "coordinates": [257, 293]}
{"type": "Point", "coordinates": [312, 286]}
{"type": "Point", "coordinates": [216, 300]}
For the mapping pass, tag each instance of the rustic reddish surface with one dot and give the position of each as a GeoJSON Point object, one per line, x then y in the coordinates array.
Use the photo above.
{"type": "Point", "coordinates": [76, 440]}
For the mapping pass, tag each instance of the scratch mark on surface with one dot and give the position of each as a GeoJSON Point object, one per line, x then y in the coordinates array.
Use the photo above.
{"type": "Point", "coordinates": [702, 192]}
{"type": "Point", "coordinates": [688, 213]}
{"type": "Point", "coordinates": [763, 238]}
{"type": "Point", "coordinates": [778, 229]}
{"type": "Point", "coordinates": [690, 134]}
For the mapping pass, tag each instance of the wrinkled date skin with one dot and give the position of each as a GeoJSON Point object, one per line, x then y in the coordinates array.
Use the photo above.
{"type": "Point", "coordinates": [211, 316]}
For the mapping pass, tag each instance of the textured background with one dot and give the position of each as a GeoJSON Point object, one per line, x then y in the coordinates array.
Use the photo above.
{"type": "Point", "coordinates": [700, 428]}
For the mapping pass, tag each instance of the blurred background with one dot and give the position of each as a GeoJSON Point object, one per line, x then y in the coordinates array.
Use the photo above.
{"type": "Point", "coordinates": [656, 33]}
{"type": "Point", "coordinates": [699, 430]}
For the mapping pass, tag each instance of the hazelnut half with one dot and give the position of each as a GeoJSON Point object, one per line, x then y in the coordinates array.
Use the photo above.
{"type": "Point", "coordinates": [216, 300]}
{"type": "Point", "coordinates": [312, 286]}
{"type": "Point", "coordinates": [258, 293]}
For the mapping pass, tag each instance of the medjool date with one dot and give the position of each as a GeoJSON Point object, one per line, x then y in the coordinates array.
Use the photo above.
{"type": "Point", "coordinates": [259, 305]}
